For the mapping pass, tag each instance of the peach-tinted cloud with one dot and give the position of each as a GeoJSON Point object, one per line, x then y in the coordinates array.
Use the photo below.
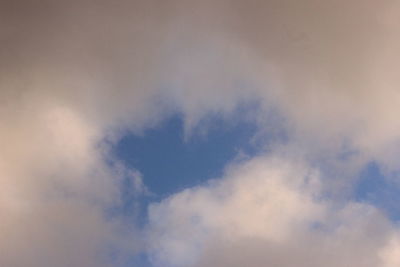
{"type": "Point", "coordinates": [76, 73]}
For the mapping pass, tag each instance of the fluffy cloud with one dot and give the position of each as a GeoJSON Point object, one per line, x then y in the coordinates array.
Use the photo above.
{"type": "Point", "coordinates": [55, 188]}
{"type": "Point", "coordinates": [268, 212]}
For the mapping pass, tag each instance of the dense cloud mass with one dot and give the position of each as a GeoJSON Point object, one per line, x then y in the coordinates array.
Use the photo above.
{"type": "Point", "coordinates": [268, 212]}
{"type": "Point", "coordinates": [76, 75]}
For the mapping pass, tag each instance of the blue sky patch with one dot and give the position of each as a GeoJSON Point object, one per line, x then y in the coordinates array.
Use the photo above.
{"type": "Point", "coordinates": [169, 162]}
{"type": "Point", "coordinates": [380, 190]}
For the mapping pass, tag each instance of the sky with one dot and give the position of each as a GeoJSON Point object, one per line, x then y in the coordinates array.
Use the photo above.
{"type": "Point", "coordinates": [212, 133]}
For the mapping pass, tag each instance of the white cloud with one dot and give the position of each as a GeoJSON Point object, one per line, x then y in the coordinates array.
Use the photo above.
{"type": "Point", "coordinates": [267, 212]}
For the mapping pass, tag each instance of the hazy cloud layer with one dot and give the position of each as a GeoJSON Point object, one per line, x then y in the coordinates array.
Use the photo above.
{"type": "Point", "coordinates": [75, 75]}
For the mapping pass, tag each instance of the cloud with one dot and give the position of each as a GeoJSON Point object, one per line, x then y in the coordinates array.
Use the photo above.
{"type": "Point", "coordinates": [61, 94]}
{"type": "Point", "coordinates": [76, 75]}
{"type": "Point", "coordinates": [123, 65]}
{"type": "Point", "coordinates": [55, 187]}
{"type": "Point", "coordinates": [267, 212]}
{"type": "Point", "coordinates": [328, 68]}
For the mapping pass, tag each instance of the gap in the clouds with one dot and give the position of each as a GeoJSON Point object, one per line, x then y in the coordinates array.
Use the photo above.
{"type": "Point", "coordinates": [171, 159]}
{"type": "Point", "coordinates": [379, 189]}
{"type": "Point", "coordinates": [169, 162]}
